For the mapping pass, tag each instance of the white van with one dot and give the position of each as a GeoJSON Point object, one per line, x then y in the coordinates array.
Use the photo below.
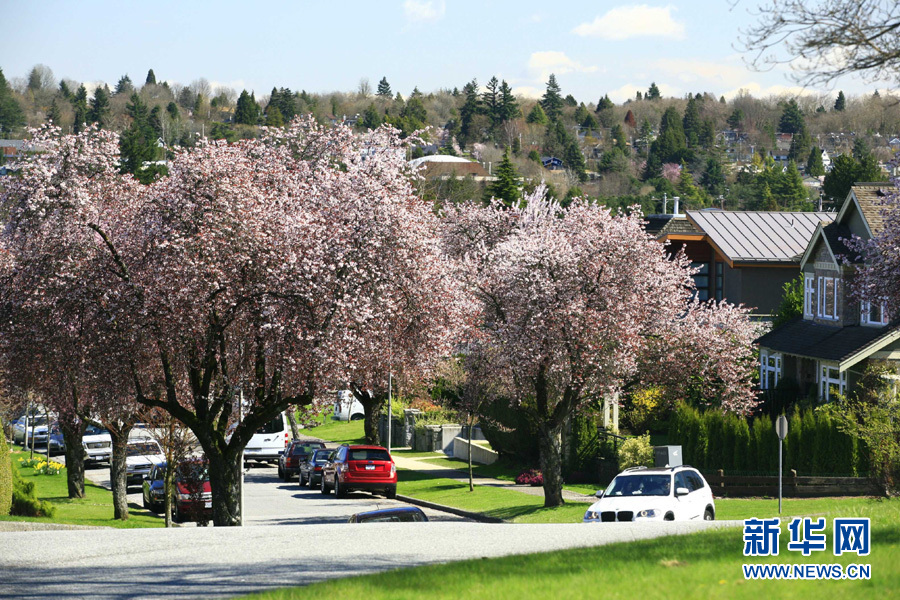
{"type": "Point", "coordinates": [269, 441]}
{"type": "Point", "coordinates": [347, 407]}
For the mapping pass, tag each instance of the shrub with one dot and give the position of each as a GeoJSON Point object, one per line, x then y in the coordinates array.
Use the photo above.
{"type": "Point", "coordinates": [530, 477]}
{"type": "Point", "coordinates": [6, 481]}
{"type": "Point", "coordinates": [636, 452]}
{"type": "Point", "coordinates": [583, 445]}
{"type": "Point", "coordinates": [25, 503]}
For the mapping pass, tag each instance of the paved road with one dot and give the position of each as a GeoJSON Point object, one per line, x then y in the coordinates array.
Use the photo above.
{"type": "Point", "coordinates": [120, 564]}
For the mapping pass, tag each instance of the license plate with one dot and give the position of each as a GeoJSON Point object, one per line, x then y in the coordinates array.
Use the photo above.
{"type": "Point", "coordinates": [370, 467]}
{"type": "Point", "coordinates": [207, 504]}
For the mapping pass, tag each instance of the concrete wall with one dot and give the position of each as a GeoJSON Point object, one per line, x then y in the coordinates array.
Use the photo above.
{"type": "Point", "coordinates": [480, 454]}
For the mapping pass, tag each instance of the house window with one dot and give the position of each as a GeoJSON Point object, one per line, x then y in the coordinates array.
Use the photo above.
{"type": "Point", "coordinates": [720, 280]}
{"type": "Point", "coordinates": [873, 313]}
{"type": "Point", "coordinates": [809, 295]}
{"type": "Point", "coordinates": [769, 370]}
{"type": "Point", "coordinates": [701, 280]}
{"type": "Point", "coordinates": [828, 298]}
{"type": "Point", "coordinates": [831, 381]}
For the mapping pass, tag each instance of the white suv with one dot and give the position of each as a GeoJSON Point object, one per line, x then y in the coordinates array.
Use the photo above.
{"type": "Point", "coordinates": [658, 494]}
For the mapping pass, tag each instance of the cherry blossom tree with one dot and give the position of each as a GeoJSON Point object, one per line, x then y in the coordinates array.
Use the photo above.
{"type": "Point", "coordinates": [570, 300]}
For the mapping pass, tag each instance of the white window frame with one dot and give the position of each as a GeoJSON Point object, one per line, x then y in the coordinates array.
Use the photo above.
{"type": "Point", "coordinates": [865, 314]}
{"type": "Point", "coordinates": [822, 306]}
{"type": "Point", "coordinates": [830, 376]}
{"type": "Point", "coordinates": [809, 295]}
{"type": "Point", "coordinates": [769, 364]}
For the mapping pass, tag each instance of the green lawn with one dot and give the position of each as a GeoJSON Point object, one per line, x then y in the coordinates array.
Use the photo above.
{"type": "Point", "coordinates": [342, 432]}
{"type": "Point", "coordinates": [702, 565]}
{"type": "Point", "coordinates": [96, 508]}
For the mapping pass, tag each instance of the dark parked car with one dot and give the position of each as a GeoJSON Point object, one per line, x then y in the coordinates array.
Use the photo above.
{"type": "Point", "coordinates": [311, 468]}
{"type": "Point", "coordinates": [403, 514]}
{"type": "Point", "coordinates": [368, 468]}
{"type": "Point", "coordinates": [193, 495]}
{"type": "Point", "coordinates": [294, 454]}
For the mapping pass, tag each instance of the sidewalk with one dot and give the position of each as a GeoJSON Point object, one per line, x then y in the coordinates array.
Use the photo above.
{"type": "Point", "coordinates": [462, 474]}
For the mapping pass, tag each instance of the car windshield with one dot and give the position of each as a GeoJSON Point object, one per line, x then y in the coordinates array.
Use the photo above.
{"type": "Point", "coordinates": [640, 485]}
{"type": "Point", "coordinates": [94, 430]}
{"type": "Point", "coordinates": [322, 457]}
{"type": "Point", "coordinates": [408, 516]}
{"type": "Point", "coordinates": [276, 425]}
{"type": "Point", "coordinates": [193, 471]}
{"type": "Point", "coordinates": [369, 454]}
{"type": "Point", "coordinates": [143, 448]}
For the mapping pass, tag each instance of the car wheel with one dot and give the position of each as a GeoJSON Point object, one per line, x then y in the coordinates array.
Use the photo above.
{"type": "Point", "coordinates": [147, 504]}
{"type": "Point", "coordinates": [176, 514]}
{"type": "Point", "coordinates": [302, 480]}
{"type": "Point", "coordinates": [339, 492]}
{"type": "Point", "coordinates": [312, 483]}
{"type": "Point", "coordinates": [709, 515]}
{"type": "Point", "coordinates": [325, 489]}
{"type": "Point", "coordinates": [669, 517]}
{"type": "Point", "coordinates": [391, 492]}
{"type": "Point", "coordinates": [280, 473]}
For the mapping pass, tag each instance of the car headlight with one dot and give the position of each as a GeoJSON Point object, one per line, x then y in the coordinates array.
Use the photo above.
{"type": "Point", "coordinates": [183, 497]}
{"type": "Point", "coordinates": [591, 515]}
{"type": "Point", "coordinates": [650, 513]}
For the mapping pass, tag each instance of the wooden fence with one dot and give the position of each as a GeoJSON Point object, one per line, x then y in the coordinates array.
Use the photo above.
{"type": "Point", "coordinates": [792, 486]}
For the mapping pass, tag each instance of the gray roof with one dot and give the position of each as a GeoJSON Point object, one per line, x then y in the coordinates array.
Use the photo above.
{"type": "Point", "coordinates": [809, 339]}
{"type": "Point", "coordinates": [759, 236]}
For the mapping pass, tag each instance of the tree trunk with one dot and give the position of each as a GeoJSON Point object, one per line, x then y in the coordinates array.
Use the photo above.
{"type": "Point", "coordinates": [225, 483]}
{"type": "Point", "coordinates": [295, 431]}
{"type": "Point", "coordinates": [73, 434]}
{"type": "Point", "coordinates": [118, 475]}
{"type": "Point", "coordinates": [471, 419]}
{"type": "Point", "coordinates": [550, 446]}
{"type": "Point", "coordinates": [169, 488]}
{"type": "Point", "coordinates": [372, 406]}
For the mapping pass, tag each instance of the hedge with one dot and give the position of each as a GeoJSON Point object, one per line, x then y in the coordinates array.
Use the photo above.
{"type": "Point", "coordinates": [814, 445]}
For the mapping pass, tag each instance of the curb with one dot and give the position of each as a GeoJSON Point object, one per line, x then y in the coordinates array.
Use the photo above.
{"type": "Point", "coordinates": [449, 509]}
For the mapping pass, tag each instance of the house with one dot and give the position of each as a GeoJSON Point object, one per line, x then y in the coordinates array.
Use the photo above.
{"type": "Point", "coordinates": [827, 349]}
{"type": "Point", "coordinates": [444, 166]}
{"type": "Point", "coordinates": [551, 163]}
{"type": "Point", "coordinates": [743, 257]}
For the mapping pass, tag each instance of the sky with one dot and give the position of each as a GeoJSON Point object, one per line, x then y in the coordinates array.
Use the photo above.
{"type": "Point", "coordinates": [593, 48]}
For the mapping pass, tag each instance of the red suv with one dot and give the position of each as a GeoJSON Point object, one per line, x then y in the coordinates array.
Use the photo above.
{"type": "Point", "coordinates": [360, 468]}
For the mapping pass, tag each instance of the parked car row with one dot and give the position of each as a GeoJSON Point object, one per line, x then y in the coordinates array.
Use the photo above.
{"type": "Point", "coordinates": [192, 494]}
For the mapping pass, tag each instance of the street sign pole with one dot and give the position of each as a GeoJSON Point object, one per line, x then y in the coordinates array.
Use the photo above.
{"type": "Point", "coordinates": [781, 428]}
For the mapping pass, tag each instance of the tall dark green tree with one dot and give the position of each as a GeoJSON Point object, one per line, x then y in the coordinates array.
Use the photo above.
{"type": "Point", "coordinates": [138, 145]}
{"type": "Point", "coordinates": [54, 115]}
{"type": "Point", "coordinates": [814, 165]}
{"type": "Point", "coordinates": [617, 133]}
{"type": "Point", "coordinates": [80, 107]}
{"type": "Point", "coordinates": [801, 142]}
{"type": "Point", "coordinates": [470, 108]}
{"type": "Point", "coordinates": [691, 123]}
{"type": "Point", "coordinates": [64, 90]}
{"type": "Point", "coordinates": [99, 110]}
{"type": "Point", "coordinates": [247, 110]}
{"type": "Point", "coordinates": [652, 92]}
{"type": "Point", "coordinates": [736, 119]}
{"type": "Point", "coordinates": [370, 118]}
{"type": "Point", "coordinates": [490, 101]}
{"type": "Point", "coordinates": [574, 159]}
{"type": "Point", "coordinates": [151, 78]}
{"type": "Point", "coordinates": [791, 118]}
{"type": "Point", "coordinates": [156, 122]}
{"type": "Point", "coordinates": [670, 145]}
{"type": "Point", "coordinates": [713, 178]}
{"type": "Point", "coordinates": [384, 89]}
{"type": "Point", "coordinates": [552, 101]}
{"type": "Point", "coordinates": [11, 114]}
{"type": "Point", "coordinates": [509, 106]}
{"type": "Point", "coordinates": [506, 186]}
{"type": "Point", "coordinates": [124, 85]}
{"type": "Point", "coordinates": [537, 115]}
{"type": "Point", "coordinates": [841, 103]}
{"type": "Point", "coordinates": [846, 171]}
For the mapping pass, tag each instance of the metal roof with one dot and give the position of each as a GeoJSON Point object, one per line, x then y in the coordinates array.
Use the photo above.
{"type": "Point", "coordinates": [759, 236]}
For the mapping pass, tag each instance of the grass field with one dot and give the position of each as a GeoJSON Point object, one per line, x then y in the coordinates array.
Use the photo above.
{"type": "Point", "coordinates": [96, 508]}
{"type": "Point", "coordinates": [342, 432]}
{"type": "Point", "coordinates": [702, 565]}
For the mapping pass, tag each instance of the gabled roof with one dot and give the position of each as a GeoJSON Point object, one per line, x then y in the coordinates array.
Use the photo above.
{"type": "Point", "coordinates": [758, 237]}
{"type": "Point", "coordinates": [843, 345]}
{"type": "Point", "coordinates": [868, 198]}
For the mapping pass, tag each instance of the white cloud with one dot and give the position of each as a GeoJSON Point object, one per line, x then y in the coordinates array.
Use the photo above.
{"type": "Point", "coordinates": [637, 20]}
{"type": "Point", "coordinates": [757, 90]}
{"type": "Point", "coordinates": [710, 74]}
{"type": "Point", "coordinates": [424, 11]}
{"type": "Point", "coordinates": [528, 91]}
{"type": "Point", "coordinates": [542, 64]}
{"type": "Point", "coordinates": [629, 91]}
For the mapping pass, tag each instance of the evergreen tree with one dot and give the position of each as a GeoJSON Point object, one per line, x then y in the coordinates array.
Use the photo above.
{"type": "Point", "coordinates": [791, 191]}
{"type": "Point", "coordinates": [490, 100]}
{"type": "Point", "coordinates": [80, 106]}
{"type": "Point", "coordinates": [691, 123]}
{"type": "Point", "coordinates": [11, 113]}
{"type": "Point", "coordinates": [791, 118]}
{"type": "Point", "coordinates": [138, 145]}
{"type": "Point", "coordinates": [384, 89]}
{"type": "Point", "coordinates": [590, 123]}
{"type": "Point", "coordinates": [846, 171]}
{"type": "Point", "coordinates": [605, 103]}
{"type": "Point", "coordinates": [707, 134]}
{"type": "Point", "coordinates": [172, 109]}
{"type": "Point", "coordinates": [274, 118]}
{"type": "Point", "coordinates": [506, 186]}
{"type": "Point", "coordinates": [54, 115]}
{"type": "Point", "coordinates": [99, 111]}
{"type": "Point", "coordinates": [841, 103]}
{"type": "Point", "coordinates": [800, 145]}
{"type": "Point", "coordinates": [537, 115]}
{"type": "Point", "coordinates": [509, 106]}
{"type": "Point", "coordinates": [690, 194]}
{"type": "Point", "coordinates": [156, 123]}
{"type": "Point", "coordinates": [670, 146]}
{"type": "Point", "coordinates": [814, 165]}
{"type": "Point", "coordinates": [124, 86]}
{"type": "Point", "coordinates": [638, 96]}
{"type": "Point", "coordinates": [552, 101]}
{"type": "Point", "coordinates": [574, 159]}
{"type": "Point", "coordinates": [64, 90]}
{"type": "Point", "coordinates": [713, 178]}
{"type": "Point", "coordinates": [736, 119]}
{"type": "Point", "coordinates": [247, 110]}
{"type": "Point", "coordinates": [652, 92]}
{"type": "Point", "coordinates": [570, 100]}
{"type": "Point", "coordinates": [371, 119]}
{"type": "Point", "coordinates": [151, 78]}
{"type": "Point", "coordinates": [470, 108]}
{"type": "Point", "coordinates": [617, 133]}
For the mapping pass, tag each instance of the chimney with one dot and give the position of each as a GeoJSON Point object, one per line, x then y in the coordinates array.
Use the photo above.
{"type": "Point", "coordinates": [677, 200]}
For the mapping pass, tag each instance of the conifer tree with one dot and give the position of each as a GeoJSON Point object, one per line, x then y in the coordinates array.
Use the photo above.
{"type": "Point", "coordinates": [138, 145]}
{"type": "Point", "coordinates": [384, 89]}
{"type": "Point", "coordinates": [652, 92]}
{"type": "Point", "coordinates": [247, 110]}
{"type": "Point", "coordinates": [691, 123]}
{"type": "Point", "coordinates": [273, 117]}
{"type": "Point", "coordinates": [124, 86]}
{"type": "Point", "coordinates": [470, 108]}
{"type": "Point", "coordinates": [537, 115]}
{"type": "Point", "coordinates": [791, 118]}
{"type": "Point", "coordinates": [99, 111]}
{"type": "Point", "coordinates": [506, 186]}
{"type": "Point", "coordinates": [814, 165]}
{"type": "Point", "coordinates": [54, 115]}
{"type": "Point", "coordinates": [841, 103]}
{"type": "Point", "coordinates": [11, 113]}
{"type": "Point", "coordinates": [371, 119]}
{"type": "Point", "coordinates": [151, 78]}
{"type": "Point", "coordinates": [552, 101]}
{"type": "Point", "coordinates": [490, 101]}
{"type": "Point", "coordinates": [80, 106]}
{"type": "Point", "coordinates": [509, 106]}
